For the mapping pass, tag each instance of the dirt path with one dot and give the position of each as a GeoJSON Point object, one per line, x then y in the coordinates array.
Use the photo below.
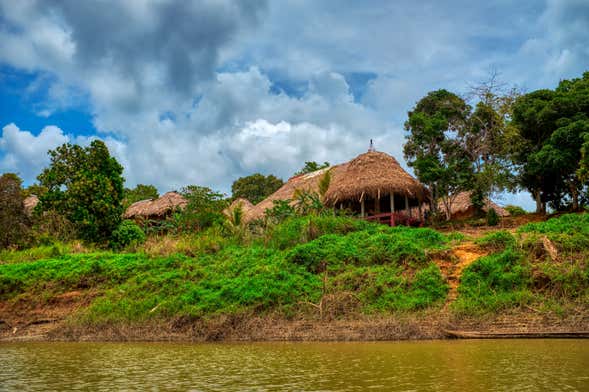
{"type": "Point", "coordinates": [465, 254]}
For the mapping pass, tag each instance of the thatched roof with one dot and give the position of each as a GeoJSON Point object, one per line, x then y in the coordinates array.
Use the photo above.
{"type": "Point", "coordinates": [156, 208]}
{"type": "Point", "coordinates": [244, 204]}
{"type": "Point", "coordinates": [463, 204]}
{"type": "Point", "coordinates": [304, 182]}
{"type": "Point", "coordinates": [29, 204]}
{"type": "Point", "coordinates": [373, 174]}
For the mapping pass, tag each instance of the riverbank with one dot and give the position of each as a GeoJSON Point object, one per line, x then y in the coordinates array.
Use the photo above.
{"type": "Point", "coordinates": [313, 278]}
{"type": "Point", "coordinates": [517, 324]}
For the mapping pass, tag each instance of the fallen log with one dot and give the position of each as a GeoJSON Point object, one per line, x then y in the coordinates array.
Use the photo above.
{"type": "Point", "coordinates": [517, 335]}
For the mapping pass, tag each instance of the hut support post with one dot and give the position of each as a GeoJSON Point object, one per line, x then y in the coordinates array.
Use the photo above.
{"type": "Point", "coordinates": [392, 197]}
{"type": "Point", "coordinates": [407, 206]}
{"type": "Point", "coordinates": [420, 213]}
{"type": "Point", "coordinates": [362, 208]}
{"type": "Point", "coordinates": [377, 206]}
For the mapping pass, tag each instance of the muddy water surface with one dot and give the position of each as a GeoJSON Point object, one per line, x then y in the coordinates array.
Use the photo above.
{"type": "Point", "coordinates": [501, 365]}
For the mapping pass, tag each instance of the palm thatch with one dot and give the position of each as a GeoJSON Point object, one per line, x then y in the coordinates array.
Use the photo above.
{"type": "Point", "coordinates": [29, 204]}
{"type": "Point", "coordinates": [157, 208]}
{"type": "Point", "coordinates": [240, 202]}
{"type": "Point", "coordinates": [308, 182]}
{"type": "Point", "coordinates": [462, 207]}
{"type": "Point", "coordinates": [373, 174]}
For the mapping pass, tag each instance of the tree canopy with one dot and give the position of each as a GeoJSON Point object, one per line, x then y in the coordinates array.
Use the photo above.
{"type": "Point", "coordinates": [140, 192]}
{"type": "Point", "coordinates": [553, 126]}
{"type": "Point", "coordinates": [85, 185]}
{"type": "Point", "coordinates": [13, 219]}
{"type": "Point", "coordinates": [432, 147]}
{"type": "Point", "coordinates": [256, 187]}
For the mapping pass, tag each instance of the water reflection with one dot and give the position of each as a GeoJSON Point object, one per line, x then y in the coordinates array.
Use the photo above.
{"type": "Point", "coordinates": [507, 365]}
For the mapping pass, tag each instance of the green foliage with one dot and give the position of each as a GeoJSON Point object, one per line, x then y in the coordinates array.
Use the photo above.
{"type": "Point", "coordinates": [46, 250]}
{"type": "Point", "coordinates": [495, 282]}
{"type": "Point", "coordinates": [492, 217]}
{"type": "Point", "coordinates": [281, 210]}
{"type": "Point", "coordinates": [256, 187]}
{"type": "Point", "coordinates": [386, 268]}
{"type": "Point", "coordinates": [14, 223]}
{"type": "Point", "coordinates": [127, 234]}
{"type": "Point", "coordinates": [324, 183]}
{"type": "Point", "coordinates": [570, 232]}
{"type": "Point", "coordinates": [400, 246]}
{"type": "Point", "coordinates": [85, 185]}
{"type": "Point", "coordinates": [553, 126]}
{"type": "Point", "coordinates": [515, 210]}
{"type": "Point", "coordinates": [497, 241]}
{"type": "Point", "coordinates": [204, 209]}
{"type": "Point", "coordinates": [140, 192]}
{"type": "Point", "coordinates": [299, 230]}
{"type": "Point", "coordinates": [431, 149]}
{"type": "Point", "coordinates": [311, 166]}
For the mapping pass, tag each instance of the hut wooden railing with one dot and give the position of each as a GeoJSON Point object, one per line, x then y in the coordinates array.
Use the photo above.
{"type": "Point", "coordinates": [394, 218]}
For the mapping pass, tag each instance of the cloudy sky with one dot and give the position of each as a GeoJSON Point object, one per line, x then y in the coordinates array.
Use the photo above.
{"type": "Point", "coordinates": [203, 92]}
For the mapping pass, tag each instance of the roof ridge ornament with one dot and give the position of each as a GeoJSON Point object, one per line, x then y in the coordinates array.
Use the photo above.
{"type": "Point", "coordinates": [371, 147]}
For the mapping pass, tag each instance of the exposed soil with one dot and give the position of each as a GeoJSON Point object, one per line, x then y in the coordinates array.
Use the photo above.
{"type": "Point", "coordinates": [463, 256]}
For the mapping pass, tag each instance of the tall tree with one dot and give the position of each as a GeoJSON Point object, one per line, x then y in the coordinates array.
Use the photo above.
{"type": "Point", "coordinates": [85, 185]}
{"type": "Point", "coordinates": [140, 192]}
{"type": "Point", "coordinates": [553, 126]}
{"type": "Point", "coordinates": [13, 220]}
{"type": "Point", "coordinates": [432, 147]}
{"type": "Point", "coordinates": [204, 209]}
{"type": "Point", "coordinates": [488, 137]}
{"type": "Point", "coordinates": [256, 187]}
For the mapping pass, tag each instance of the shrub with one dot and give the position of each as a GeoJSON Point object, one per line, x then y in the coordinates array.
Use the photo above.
{"type": "Point", "coordinates": [515, 210]}
{"type": "Point", "coordinates": [128, 233]}
{"type": "Point", "coordinates": [492, 217]}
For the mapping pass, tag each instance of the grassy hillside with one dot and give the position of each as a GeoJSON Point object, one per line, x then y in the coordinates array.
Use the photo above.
{"type": "Point", "coordinates": [332, 266]}
{"type": "Point", "coordinates": [544, 266]}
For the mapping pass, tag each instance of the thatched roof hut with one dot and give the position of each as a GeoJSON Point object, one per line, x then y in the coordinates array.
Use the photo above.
{"type": "Point", "coordinates": [462, 207]}
{"type": "Point", "coordinates": [373, 174]}
{"type": "Point", "coordinates": [29, 204]}
{"type": "Point", "coordinates": [240, 202]}
{"type": "Point", "coordinates": [305, 182]}
{"type": "Point", "coordinates": [156, 209]}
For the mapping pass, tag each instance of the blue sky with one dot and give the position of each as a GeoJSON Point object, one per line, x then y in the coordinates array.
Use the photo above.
{"type": "Point", "coordinates": [204, 92]}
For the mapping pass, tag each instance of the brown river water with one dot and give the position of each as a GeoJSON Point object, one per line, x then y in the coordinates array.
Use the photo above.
{"type": "Point", "coordinates": [464, 365]}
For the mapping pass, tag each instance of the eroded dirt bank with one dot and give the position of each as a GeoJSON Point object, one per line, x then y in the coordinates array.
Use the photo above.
{"type": "Point", "coordinates": [431, 325]}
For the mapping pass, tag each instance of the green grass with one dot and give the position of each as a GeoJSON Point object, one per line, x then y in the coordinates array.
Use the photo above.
{"type": "Point", "coordinates": [521, 273]}
{"type": "Point", "coordinates": [387, 269]}
{"type": "Point", "coordinates": [300, 262]}
{"type": "Point", "coordinates": [497, 240]}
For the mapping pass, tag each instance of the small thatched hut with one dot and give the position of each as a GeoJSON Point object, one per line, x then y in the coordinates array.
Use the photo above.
{"type": "Point", "coordinates": [245, 205]}
{"type": "Point", "coordinates": [29, 204]}
{"type": "Point", "coordinates": [156, 209]}
{"type": "Point", "coordinates": [462, 207]}
{"type": "Point", "coordinates": [305, 182]}
{"type": "Point", "coordinates": [374, 183]}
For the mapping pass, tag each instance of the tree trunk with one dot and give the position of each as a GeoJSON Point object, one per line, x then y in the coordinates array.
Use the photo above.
{"type": "Point", "coordinates": [540, 204]}
{"type": "Point", "coordinates": [575, 196]}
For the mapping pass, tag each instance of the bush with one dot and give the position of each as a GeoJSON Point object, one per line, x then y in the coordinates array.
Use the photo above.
{"type": "Point", "coordinates": [515, 210]}
{"type": "Point", "coordinates": [492, 217]}
{"type": "Point", "coordinates": [128, 233]}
